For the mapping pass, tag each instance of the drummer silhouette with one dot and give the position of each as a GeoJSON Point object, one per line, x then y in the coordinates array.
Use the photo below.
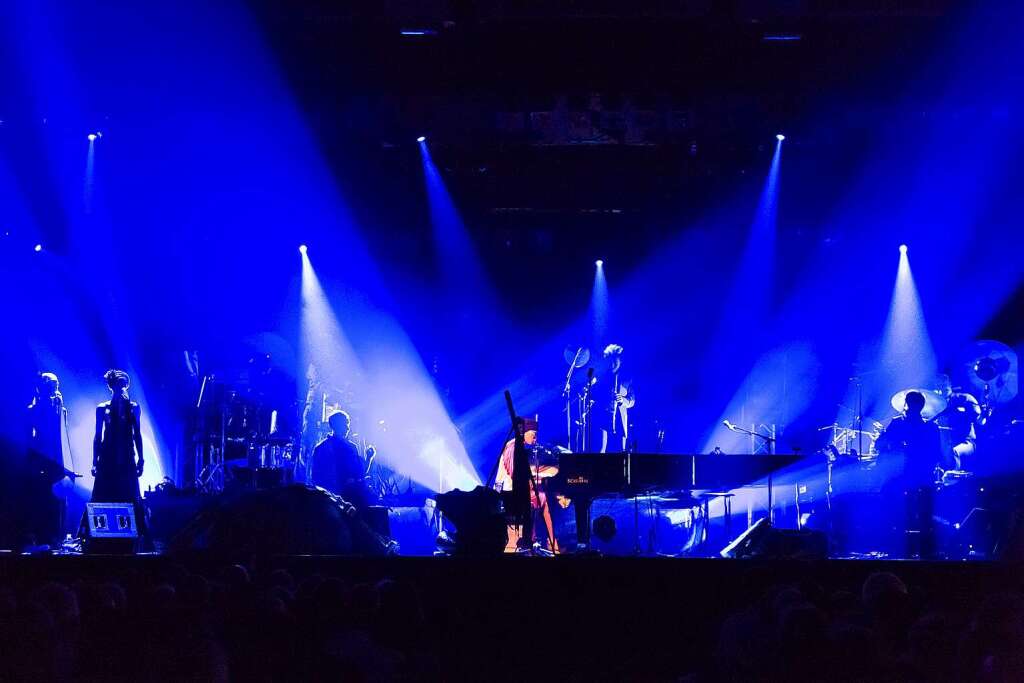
{"type": "Point", "coordinates": [913, 437]}
{"type": "Point", "coordinates": [917, 442]}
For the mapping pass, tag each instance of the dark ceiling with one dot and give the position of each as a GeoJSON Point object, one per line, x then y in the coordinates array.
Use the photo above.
{"type": "Point", "coordinates": [517, 97]}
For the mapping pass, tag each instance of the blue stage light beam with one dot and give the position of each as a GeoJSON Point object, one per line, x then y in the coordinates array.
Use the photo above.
{"type": "Point", "coordinates": [745, 315]}
{"type": "Point", "coordinates": [780, 386]}
{"type": "Point", "coordinates": [464, 300]}
{"type": "Point", "coordinates": [599, 305]}
{"type": "Point", "coordinates": [907, 357]}
{"type": "Point", "coordinates": [750, 296]}
{"type": "Point", "coordinates": [323, 343]}
{"type": "Point", "coordinates": [456, 255]}
{"type": "Point", "coordinates": [90, 164]}
{"type": "Point", "coordinates": [400, 411]}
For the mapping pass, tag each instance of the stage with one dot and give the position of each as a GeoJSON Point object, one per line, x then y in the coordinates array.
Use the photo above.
{"type": "Point", "coordinates": [511, 340]}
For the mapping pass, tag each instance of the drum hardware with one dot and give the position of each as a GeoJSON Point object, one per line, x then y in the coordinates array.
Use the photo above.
{"type": "Point", "coordinates": [844, 441]}
{"type": "Point", "coordinates": [239, 428]}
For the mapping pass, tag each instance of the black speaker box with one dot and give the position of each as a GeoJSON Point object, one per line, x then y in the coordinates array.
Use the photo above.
{"type": "Point", "coordinates": [764, 541]}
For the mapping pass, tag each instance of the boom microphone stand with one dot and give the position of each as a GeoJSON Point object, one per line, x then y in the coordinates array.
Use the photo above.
{"type": "Point", "coordinates": [770, 440]}
{"type": "Point", "coordinates": [567, 393]}
{"type": "Point", "coordinates": [585, 413]}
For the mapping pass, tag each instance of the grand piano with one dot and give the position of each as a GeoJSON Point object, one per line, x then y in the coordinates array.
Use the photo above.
{"type": "Point", "coordinates": [585, 476]}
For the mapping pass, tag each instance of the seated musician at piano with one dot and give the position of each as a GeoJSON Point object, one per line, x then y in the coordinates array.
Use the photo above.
{"type": "Point", "coordinates": [538, 499]}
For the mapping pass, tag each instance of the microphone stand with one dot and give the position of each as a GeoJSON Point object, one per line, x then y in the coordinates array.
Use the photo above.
{"type": "Point", "coordinates": [567, 393]}
{"type": "Point", "coordinates": [770, 440]}
{"type": "Point", "coordinates": [585, 414]}
{"type": "Point", "coordinates": [859, 421]}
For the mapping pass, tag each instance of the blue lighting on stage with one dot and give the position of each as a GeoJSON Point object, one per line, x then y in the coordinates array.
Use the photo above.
{"type": "Point", "coordinates": [398, 410]}
{"type": "Point", "coordinates": [89, 180]}
{"type": "Point", "coordinates": [746, 314]}
{"type": "Point", "coordinates": [464, 289]}
{"type": "Point", "coordinates": [425, 302]}
{"type": "Point", "coordinates": [907, 358]}
{"type": "Point", "coordinates": [599, 307]}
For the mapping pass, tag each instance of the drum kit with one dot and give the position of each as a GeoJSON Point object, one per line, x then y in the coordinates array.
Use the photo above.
{"type": "Point", "coordinates": [990, 370]}
{"type": "Point", "coordinates": [241, 438]}
{"type": "Point", "coordinates": [249, 431]}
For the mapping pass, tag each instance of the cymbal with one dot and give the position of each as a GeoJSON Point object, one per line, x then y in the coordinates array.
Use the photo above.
{"type": "Point", "coordinates": [579, 354]}
{"type": "Point", "coordinates": [992, 366]}
{"type": "Point", "coordinates": [934, 403]}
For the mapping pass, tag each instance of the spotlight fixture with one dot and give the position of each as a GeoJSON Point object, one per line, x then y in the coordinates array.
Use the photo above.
{"type": "Point", "coordinates": [903, 249]}
{"type": "Point", "coordinates": [38, 248]}
{"type": "Point", "coordinates": [421, 139]}
{"type": "Point", "coordinates": [302, 249]}
{"type": "Point", "coordinates": [780, 137]}
{"type": "Point", "coordinates": [598, 263]}
{"type": "Point", "coordinates": [91, 136]}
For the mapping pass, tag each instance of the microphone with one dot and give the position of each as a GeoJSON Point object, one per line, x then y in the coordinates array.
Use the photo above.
{"type": "Point", "coordinates": [729, 425]}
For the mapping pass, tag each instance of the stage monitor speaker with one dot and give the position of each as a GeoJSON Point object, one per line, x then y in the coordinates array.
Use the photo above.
{"type": "Point", "coordinates": [764, 541]}
{"type": "Point", "coordinates": [112, 528]}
